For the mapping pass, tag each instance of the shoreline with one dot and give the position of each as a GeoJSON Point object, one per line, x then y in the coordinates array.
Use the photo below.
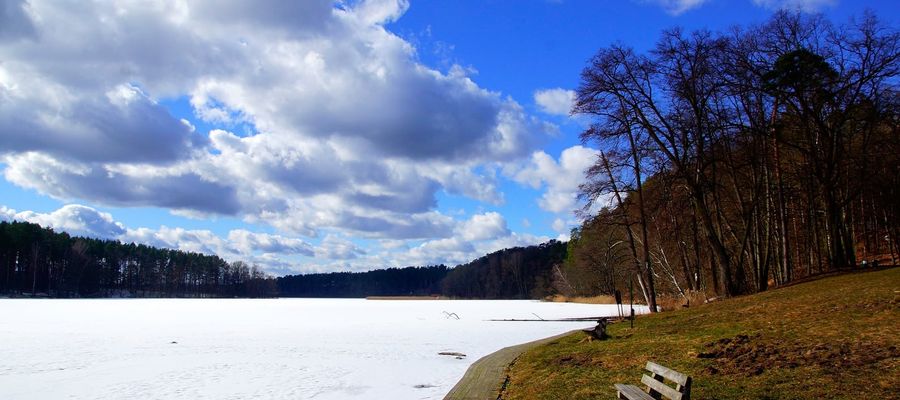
{"type": "Point", "coordinates": [436, 297]}
{"type": "Point", "coordinates": [485, 378]}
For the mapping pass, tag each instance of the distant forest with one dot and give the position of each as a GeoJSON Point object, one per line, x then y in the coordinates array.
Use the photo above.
{"type": "Point", "coordinates": [37, 261]}
{"type": "Point", "coordinates": [514, 273]}
{"type": "Point", "coordinates": [409, 281]}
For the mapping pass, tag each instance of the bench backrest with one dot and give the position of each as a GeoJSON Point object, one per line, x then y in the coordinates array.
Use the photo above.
{"type": "Point", "coordinates": [656, 382]}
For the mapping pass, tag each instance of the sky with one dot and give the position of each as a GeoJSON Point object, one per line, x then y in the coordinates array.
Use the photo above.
{"type": "Point", "coordinates": [318, 136]}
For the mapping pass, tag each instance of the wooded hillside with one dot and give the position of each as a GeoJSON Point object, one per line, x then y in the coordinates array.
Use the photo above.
{"type": "Point", "coordinates": [733, 161]}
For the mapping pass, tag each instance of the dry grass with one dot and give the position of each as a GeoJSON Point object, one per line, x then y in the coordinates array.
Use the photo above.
{"type": "Point", "coordinates": [690, 299]}
{"type": "Point", "coordinates": [667, 303]}
{"type": "Point", "coordinates": [558, 298]}
{"type": "Point", "coordinates": [435, 297]}
{"type": "Point", "coordinates": [834, 338]}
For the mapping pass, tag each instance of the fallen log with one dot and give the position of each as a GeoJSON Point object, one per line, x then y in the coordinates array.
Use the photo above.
{"type": "Point", "coordinates": [574, 319]}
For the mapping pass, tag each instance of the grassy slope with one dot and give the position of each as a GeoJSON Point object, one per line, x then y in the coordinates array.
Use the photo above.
{"type": "Point", "coordinates": [837, 337]}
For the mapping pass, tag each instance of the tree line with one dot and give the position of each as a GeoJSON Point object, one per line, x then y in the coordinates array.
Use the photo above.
{"type": "Point", "coordinates": [409, 281]}
{"type": "Point", "coordinates": [734, 161]}
{"type": "Point", "coordinates": [513, 273]}
{"type": "Point", "coordinates": [36, 261]}
{"type": "Point", "coordinates": [39, 261]}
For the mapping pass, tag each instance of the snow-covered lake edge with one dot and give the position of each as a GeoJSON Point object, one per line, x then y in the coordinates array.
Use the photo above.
{"type": "Point", "coordinates": [258, 348]}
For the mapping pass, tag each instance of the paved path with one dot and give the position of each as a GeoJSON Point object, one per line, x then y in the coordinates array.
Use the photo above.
{"type": "Point", "coordinates": [484, 378]}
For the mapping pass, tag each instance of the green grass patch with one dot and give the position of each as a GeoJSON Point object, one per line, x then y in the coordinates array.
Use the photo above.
{"type": "Point", "coordinates": [837, 338]}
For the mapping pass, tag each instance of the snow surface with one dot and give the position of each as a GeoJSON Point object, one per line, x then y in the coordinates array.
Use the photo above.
{"type": "Point", "coordinates": [257, 349]}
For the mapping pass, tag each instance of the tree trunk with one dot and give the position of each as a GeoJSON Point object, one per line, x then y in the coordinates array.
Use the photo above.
{"type": "Point", "coordinates": [722, 263]}
{"type": "Point", "coordinates": [640, 194]}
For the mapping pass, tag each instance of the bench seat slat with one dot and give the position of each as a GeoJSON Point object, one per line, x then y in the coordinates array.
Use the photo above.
{"type": "Point", "coordinates": [667, 373]}
{"type": "Point", "coordinates": [660, 387]}
{"type": "Point", "coordinates": [632, 392]}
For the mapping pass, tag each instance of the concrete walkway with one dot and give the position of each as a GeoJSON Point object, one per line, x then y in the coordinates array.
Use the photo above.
{"type": "Point", "coordinates": [486, 376]}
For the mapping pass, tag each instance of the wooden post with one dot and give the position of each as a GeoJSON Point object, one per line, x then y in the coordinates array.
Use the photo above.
{"type": "Point", "coordinates": [631, 300]}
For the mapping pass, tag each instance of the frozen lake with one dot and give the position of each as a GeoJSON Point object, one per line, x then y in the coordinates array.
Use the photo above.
{"type": "Point", "coordinates": [265, 349]}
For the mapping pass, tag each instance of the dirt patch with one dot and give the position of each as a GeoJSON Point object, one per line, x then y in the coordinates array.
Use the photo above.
{"type": "Point", "coordinates": [576, 360]}
{"type": "Point", "coordinates": [753, 355]}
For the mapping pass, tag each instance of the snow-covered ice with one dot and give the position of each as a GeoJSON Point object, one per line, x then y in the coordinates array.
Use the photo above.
{"type": "Point", "coordinates": [257, 349]}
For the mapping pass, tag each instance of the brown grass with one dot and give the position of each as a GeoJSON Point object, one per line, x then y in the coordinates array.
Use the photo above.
{"type": "Point", "coordinates": [834, 338]}
{"type": "Point", "coordinates": [435, 297]}
{"type": "Point", "coordinates": [667, 303]}
{"type": "Point", "coordinates": [558, 298]}
{"type": "Point", "coordinates": [690, 299]}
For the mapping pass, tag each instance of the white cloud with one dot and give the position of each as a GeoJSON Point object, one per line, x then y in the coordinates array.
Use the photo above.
{"type": "Point", "coordinates": [453, 251]}
{"type": "Point", "coordinates": [176, 188]}
{"type": "Point", "coordinates": [349, 131]}
{"type": "Point", "coordinates": [802, 5]}
{"type": "Point", "coordinates": [375, 12]}
{"type": "Point", "coordinates": [249, 242]}
{"type": "Point", "coordinates": [563, 228]}
{"type": "Point", "coordinates": [559, 225]}
{"type": "Point", "coordinates": [7, 214]}
{"type": "Point", "coordinates": [560, 179]}
{"type": "Point", "coordinates": [337, 248]}
{"type": "Point", "coordinates": [276, 254]}
{"type": "Point", "coordinates": [512, 240]}
{"type": "Point", "coordinates": [198, 241]}
{"type": "Point", "coordinates": [485, 226]}
{"type": "Point", "coordinates": [555, 101]}
{"type": "Point", "coordinates": [77, 220]}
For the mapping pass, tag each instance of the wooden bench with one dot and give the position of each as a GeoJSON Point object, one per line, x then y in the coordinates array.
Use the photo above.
{"type": "Point", "coordinates": [656, 386]}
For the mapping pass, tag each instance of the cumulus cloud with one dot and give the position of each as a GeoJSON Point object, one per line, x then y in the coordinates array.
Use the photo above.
{"type": "Point", "coordinates": [173, 188]}
{"type": "Point", "coordinates": [276, 254]}
{"type": "Point", "coordinates": [453, 250]}
{"type": "Point", "coordinates": [77, 220]}
{"type": "Point", "coordinates": [334, 247]}
{"type": "Point", "coordinates": [193, 240]}
{"type": "Point", "coordinates": [555, 101]}
{"type": "Point", "coordinates": [559, 178]}
{"type": "Point", "coordinates": [456, 250]}
{"type": "Point", "coordinates": [564, 228]}
{"type": "Point", "coordinates": [248, 242]}
{"type": "Point", "coordinates": [802, 5]}
{"type": "Point", "coordinates": [266, 249]}
{"type": "Point", "coordinates": [345, 129]}
{"type": "Point", "coordinates": [489, 225]}
{"type": "Point", "coordinates": [120, 124]}
{"type": "Point", "coordinates": [7, 214]}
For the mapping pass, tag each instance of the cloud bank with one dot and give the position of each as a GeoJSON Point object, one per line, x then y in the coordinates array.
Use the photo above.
{"type": "Point", "coordinates": [326, 119]}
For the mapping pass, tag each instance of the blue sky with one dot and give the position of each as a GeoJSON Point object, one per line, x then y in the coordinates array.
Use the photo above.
{"type": "Point", "coordinates": [318, 136]}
